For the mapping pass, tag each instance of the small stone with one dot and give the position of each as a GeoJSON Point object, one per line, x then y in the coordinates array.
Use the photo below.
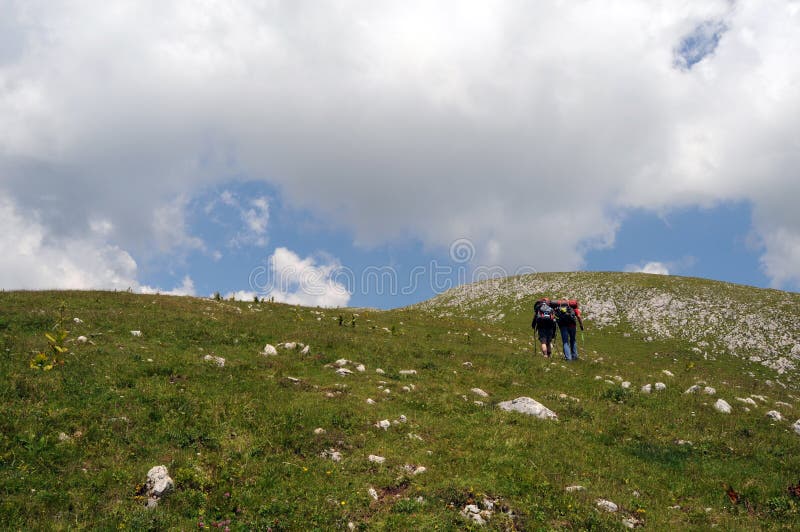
{"type": "Point", "coordinates": [136, 333]}
{"type": "Point", "coordinates": [387, 391]}
{"type": "Point", "coordinates": [333, 454]}
{"type": "Point", "coordinates": [62, 436]}
{"type": "Point", "coordinates": [668, 373]}
{"type": "Point", "coordinates": [158, 483]}
{"type": "Point", "coordinates": [370, 401]}
{"type": "Point", "coordinates": [379, 371]}
{"type": "Point", "coordinates": [647, 388]}
{"type": "Point", "coordinates": [383, 424]}
{"type": "Point", "coordinates": [572, 489]}
{"type": "Point", "coordinates": [406, 389]}
{"type": "Point", "coordinates": [319, 431]}
{"type": "Point", "coordinates": [219, 361]}
{"type": "Point", "coordinates": [305, 350]}
{"type": "Point", "coordinates": [529, 406]}
{"type": "Point", "coordinates": [373, 494]}
{"type": "Point", "coordinates": [774, 414]}
{"type": "Point", "coordinates": [376, 459]}
{"type": "Point", "coordinates": [269, 350]}
{"type": "Point", "coordinates": [342, 362]}
{"type": "Point", "coordinates": [747, 400]}
{"type": "Point", "coordinates": [692, 389]}
{"type": "Point", "coordinates": [478, 403]}
{"type": "Point", "coordinates": [467, 364]}
{"type": "Point", "coordinates": [626, 384]}
{"type": "Point", "coordinates": [606, 505]}
{"type": "Point", "coordinates": [77, 320]}
{"type": "Point", "coordinates": [361, 368]}
{"type": "Point", "coordinates": [351, 525]}
{"type": "Point", "coordinates": [290, 345]}
{"type": "Point", "coordinates": [660, 386]}
{"type": "Point", "coordinates": [403, 419]}
{"type": "Point", "coordinates": [343, 372]}
{"type": "Point", "coordinates": [631, 522]}
{"type": "Point", "coordinates": [408, 372]}
{"type": "Point", "coordinates": [722, 406]}
{"type": "Point", "coordinates": [419, 470]}
{"type": "Point", "coordinates": [796, 427]}
{"type": "Point", "coordinates": [708, 390]}
{"type": "Point", "coordinates": [479, 392]}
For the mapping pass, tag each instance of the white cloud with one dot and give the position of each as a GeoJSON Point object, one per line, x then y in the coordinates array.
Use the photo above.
{"type": "Point", "coordinates": [306, 281]}
{"type": "Point", "coordinates": [657, 268]}
{"type": "Point", "coordinates": [186, 288]}
{"type": "Point", "coordinates": [436, 120]}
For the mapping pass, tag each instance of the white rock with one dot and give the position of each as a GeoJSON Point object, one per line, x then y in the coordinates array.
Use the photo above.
{"type": "Point", "coordinates": [370, 401]}
{"type": "Point", "coordinates": [606, 505]}
{"type": "Point", "coordinates": [387, 391]}
{"type": "Point", "coordinates": [419, 470]}
{"type": "Point", "coordinates": [631, 522]}
{"type": "Point", "coordinates": [305, 350]}
{"type": "Point", "coordinates": [383, 424]}
{"type": "Point", "coordinates": [376, 459]}
{"type": "Point", "coordinates": [408, 372]}
{"type": "Point", "coordinates": [319, 431]}
{"type": "Point", "coordinates": [342, 362]}
{"type": "Point", "coordinates": [62, 436]}
{"type": "Point", "coordinates": [478, 403]}
{"type": "Point", "coordinates": [467, 364]}
{"type": "Point", "coordinates": [290, 345]}
{"type": "Point", "coordinates": [219, 361]}
{"type": "Point", "coordinates": [781, 403]}
{"type": "Point", "coordinates": [667, 372]}
{"type": "Point", "coordinates": [647, 388]}
{"type": "Point", "coordinates": [722, 406]}
{"type": "Point", "coordinates": [82, 339]}
{"type": "Point", "coordinates": [158, 482]}
{"type": "Point", "coordinates": [403, 419]}
{"type": "Point", "coordinates": [379, 371]}
{"type": "Point", "coordinates": [361, 368]}
{"type": "Point", "coordinates": [406, 389]}
{"type": "Point", "coordinates": [351, 525]}
{"type": "Point", "coordinates": [373, 494]}
{"type": "Point", "coordinates": [660, 386]}
{"type": "Point", "coordinates": [333, 454]}
{"type": "Point", "coordinates": [529, 406]}
{"type": "Point", "coordinates": [708, 390]}
{"type": "Point", "coordinates": [796, 427]}
{"type": "Point", "coordinates": [77, 320]}
{"type": "Point", "coordinates": [692, 389]}
{"type": "Point", "coordinates": [571, 489]}
{"type": "Point", "coordinates": [136, 333]}
{"type": "Point", "coordinates": [747, 400]}
{"type": "Point", "coordinates": [343, 372]}
{"type": "Point", "coordinates": [478, 391]}
{"type": "Point", "coordinates": [774, 414]}
{"type": "Point", "coordinates": [269, 350]}
{"type": "Point", "coordinates": [625, 384]}
{"type": "Point", "coordinates": [759, 397]}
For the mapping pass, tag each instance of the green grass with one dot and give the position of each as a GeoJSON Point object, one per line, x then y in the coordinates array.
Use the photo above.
{"type": "Point", "coordinates": [239, 441]}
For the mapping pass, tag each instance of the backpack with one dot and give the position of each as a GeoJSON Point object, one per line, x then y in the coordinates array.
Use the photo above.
{"type": "Point", "coordinates": [565, 314]}
{"type": "Point", "coordinates": [544, 315]}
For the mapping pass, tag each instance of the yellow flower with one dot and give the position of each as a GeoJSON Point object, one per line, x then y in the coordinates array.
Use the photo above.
{"type": "Point", "coordinates": [344, 502]}
{"type": "Point", "coordinates": [305, 469]}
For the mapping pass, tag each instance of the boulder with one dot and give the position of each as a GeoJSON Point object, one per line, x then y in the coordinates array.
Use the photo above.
{"type": "Point", "coordinates": [528, 406]}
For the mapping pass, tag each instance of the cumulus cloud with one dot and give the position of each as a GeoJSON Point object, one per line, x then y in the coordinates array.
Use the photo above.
{"type": "Point", "coordinates": [438, 121]}
{"type": "Point", "coordinates": [186, 288]}
{"type": "Point", "coordinates": [300, 281]}
{"type": "Point", "coordinates": [657, 268]}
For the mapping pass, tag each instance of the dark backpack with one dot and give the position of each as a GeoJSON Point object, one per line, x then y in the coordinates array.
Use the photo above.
{"type": "Point", "coordinates": [565, 315]}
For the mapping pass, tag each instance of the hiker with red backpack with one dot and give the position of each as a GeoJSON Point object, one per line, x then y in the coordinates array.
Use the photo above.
{"type": "Point", "coordinates": [544, 322]}
{"type": "Point", "coordinates": [568, 317]}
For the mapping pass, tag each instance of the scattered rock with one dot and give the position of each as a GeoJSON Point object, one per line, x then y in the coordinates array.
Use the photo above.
{"type": "Point", "coordinates": [625, 384]}
{"type": "Point", "coordinates": [722, 406]}
{"type": "Point", "coordinates": [478, 391]}
{"type": "Point", "coordinates": [290, 345]}
{"type": "Point", "coordinates": [219, 361]}
{"type": "Point", "coordinates": [77, 320]}
{"type": "Point", "coordinates": [796, 427]}
{"type": "Point", "coordinates": [361, 368]}
{"type": "Point", "coordinates": [472, 512]}
{"type": "Point", "coordinates": [379, 371]}
{"type": "Point", "coordinates": [647, 388]}
{"type": "Point", "coordinates": [376, 459]}
{"type": "Point", "coordinates": [343, 372]}
{"type": "Point", "coordinates": [631, 522]}
{"type": "Point", "coordinates": [408, 372]}
{"type": "Point", "coordinates": [692, 389]}
{"type": "Point", "coordinates": [269, 350]}
{"type": "Point", "coordinates": [606, 505]}
{"type": "Point", "coordinates": [660, 386]}
{"type": "Point", "coordinates": [370, 401]}
{"type": "Point", "coordinates": [373, 494]}
{"type": "Point", "coordinates": [342, 362]}
{"type": "Point", "coordinates": [62, 436]}
{"type": "Point", "coordinates": [529, 406]}
{"type": "Point", "coordinates": [781, 403]}
{"type": "Point", "coordinates": [333, 454]}
{"type": "Point", "coordinates": [82, 339]}
{"type": "Point", "coordinates": [774, 414]}
{"type": "Point", "coordinates": [708, 390]}
{"type": "Point", "coordinates": [383, 424]}
{"type": "Point", "coordinates": [305, 350]}
{"type": "Point", "coordinates": [419, 470]}
{"type": "Point", "coordinates": [158, 484]}
{"type": "Point", "coordinates": [403, 419]}
{"type": "Point", "coordinates": [668, 373]}
{"type": "Point", "coordinates": [684, 442]}
{"type": "Point", "coordinates": [467, 364]}
{"type": "Point", "coordinates": [319, 431]}
{"type": "Point", "coordinates": [572, 489]}
{"type": "Point", "coordinates": [136, 333]}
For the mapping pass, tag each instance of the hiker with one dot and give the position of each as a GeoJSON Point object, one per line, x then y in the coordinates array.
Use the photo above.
{"type": "Point", "coordinates": [568, 317]}
{"type": "Point", "coordinates": [545, 324]}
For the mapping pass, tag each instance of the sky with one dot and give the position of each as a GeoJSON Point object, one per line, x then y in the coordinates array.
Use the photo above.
{"type": "Point", "coordinates": [375, 153]}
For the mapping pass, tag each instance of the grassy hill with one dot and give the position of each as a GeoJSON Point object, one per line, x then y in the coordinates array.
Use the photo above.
{"type": "Point", "coordinates": [77, 441]}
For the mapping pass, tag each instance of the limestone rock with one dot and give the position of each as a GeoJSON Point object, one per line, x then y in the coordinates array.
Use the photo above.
{"type": "Point", "coordinates": [373, 494]}
{"type": "Point", "coordinates": [157, 485]}
{"type": "Point", "coordinates": [572, 489]}
{"type": "Point", "coordinates": [774, 414]}
{"type": "Point", "coordinates": [660, 386]}
{"type": "Point", "coordinates": [708, 390]}
{"type": "Point", "coordinates": [647, 388]}
{"type": "Point", "coordinates": [136, 333]}
{"type": "Point", "coordinates": [376, 459]}
{"type": "Point", "coordinates": [219, 361]}
{"type": "Point", "coordinates": [407, 372]}
{"type": "Point", "coordinates": [529, 406]}
{"type": "Point", "coordinates": [478, 391]}
{"type": "Point", "coordinates": [269, 350]}
{"type": "Point", "coordinates": [606, 505]}
{"type": "Point", "coordinates": [305, 350]}
{"type": "Point", "coordinates": [692, 389]}
{"type": "Point", "coordinates": [722, 406]}
{"type": "Point", "coordinates": [383, 424]}
{"type": "Point", "coordinates": [796, 427]}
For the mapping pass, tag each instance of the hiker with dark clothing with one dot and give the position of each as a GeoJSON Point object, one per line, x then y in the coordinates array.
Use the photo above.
{"type": "Point", "coordinates": [568, 317]}
{"type": "Point", "coordinates": [545, 324]}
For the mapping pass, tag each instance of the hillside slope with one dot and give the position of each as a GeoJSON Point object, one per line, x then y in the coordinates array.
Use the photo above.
{"type": "Point", "coordinates": [762, 325]}
{"type": "Point", "coordinates": [391, 420]}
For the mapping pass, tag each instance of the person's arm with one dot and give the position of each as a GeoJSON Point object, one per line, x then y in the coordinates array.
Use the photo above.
{"type": "Point", "coordinates": [580, 321]}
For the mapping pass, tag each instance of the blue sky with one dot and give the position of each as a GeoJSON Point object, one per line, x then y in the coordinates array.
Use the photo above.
{"type": "Point", "coordinates": [375, 153]}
